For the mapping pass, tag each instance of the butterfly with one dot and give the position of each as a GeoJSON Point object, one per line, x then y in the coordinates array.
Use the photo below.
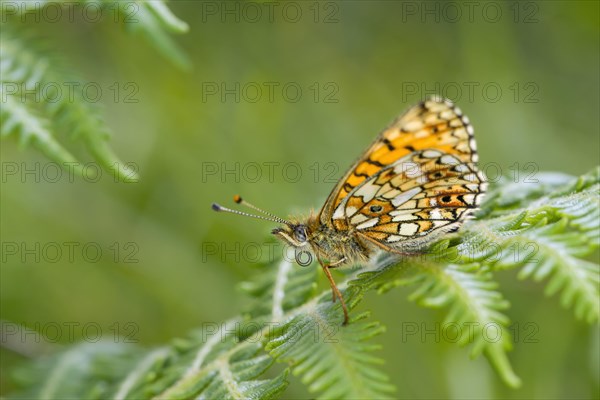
{"type": "Point", "coordinates": [417, 181]}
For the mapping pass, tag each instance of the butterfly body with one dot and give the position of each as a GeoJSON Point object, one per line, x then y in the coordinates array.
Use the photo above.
{"type": "Point", "coordinates": [328, 243]}
{"type": "Point", "coordinates": [337, 247]}
{"type": "Point", "coordinates": [417, 181]}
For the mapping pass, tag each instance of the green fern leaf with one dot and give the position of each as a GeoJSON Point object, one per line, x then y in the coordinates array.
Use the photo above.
{"type": "Point", "coordinates": [549, 237]}
{"type": "Point", "coordinates": [152, 19]}
{"type": "Point", "coordinates": [334, 361]}
{"type": "Point", "coordinates": [228, 375]}
{"type": "Point", "coordinates": [288, 321]}
{"type": "Point", "coordinates": [38, 120]}
{"type": "Point", "coordinates": [274, 294]}
{"type": "Point", "coordinates": [17, 118]}
{"type": "Point", "coordinates": [81, 371]}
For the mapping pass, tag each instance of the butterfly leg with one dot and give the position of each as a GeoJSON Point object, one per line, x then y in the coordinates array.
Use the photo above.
{"type": "Point", "coordinates": [334, 289]}
{"type": "Point", "coordinates": [331, 266]}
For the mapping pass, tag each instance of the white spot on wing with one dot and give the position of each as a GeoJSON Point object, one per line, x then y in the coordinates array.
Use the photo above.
{"type": "Point", "coordinates": [436, 214]}
{"type": "Point", "coordinates": [473, 144]}
{"type": "Point", "coordinates": [357, 219]}
{"type": "Point", "coordinates": [437, 224]}
{"type": "Point", "coordinates": [368, 224]}
{"type": "Point", "coordinates": [448, 114]}
{"type": "Point", "coordinates": [470, 177]}
{"type": "Point", "coordinates": [404, 197]}
{"type": "Point", "coordinates": [461, 168]}
{"type": "Point", "coordinates": [450, 160]}
{"type": "Point", "coordinates": [413, 125]}
{"type": "Point", "coordinates": [368, 190]}
{"type": "Point", "coordinates": [394, 238]}
{"type": "Point", "coordinates": [431, 154]}
{"type": "Point", "coordinates": [339, 212]}
{"type": "Point", "coordinates": [350, 211]}
{"type": "Point", "coordinates": [408, 229]}
{"type": "Point", "coordinates": [404, 217]}
{"type": "Point", "coordinates": [469, 199]}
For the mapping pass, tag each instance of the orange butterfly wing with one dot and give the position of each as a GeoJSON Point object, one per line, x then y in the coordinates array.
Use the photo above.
{"type": "Point", "coordinates": [434, 123]}
{"type": "Point", "coordinates": [411, 201]}
{"type": "Point", "coordinates": [418, 177]}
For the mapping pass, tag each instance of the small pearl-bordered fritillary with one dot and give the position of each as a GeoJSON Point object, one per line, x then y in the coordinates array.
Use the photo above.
{"type": "Point", "coordinates": [417, 181]}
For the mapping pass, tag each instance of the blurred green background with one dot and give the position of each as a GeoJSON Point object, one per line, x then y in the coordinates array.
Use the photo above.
{"type": "Point", "coordinates": [528, 78]}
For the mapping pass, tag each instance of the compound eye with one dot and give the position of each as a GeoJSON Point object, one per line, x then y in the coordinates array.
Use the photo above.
{"type": "Point", "coordinates": [300, 233]}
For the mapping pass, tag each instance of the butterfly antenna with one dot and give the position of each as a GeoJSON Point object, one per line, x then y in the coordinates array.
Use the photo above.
{"type": "Point", "coordinates": [219, 208]}
{"type": "Point", "coordinates": [239, 200]}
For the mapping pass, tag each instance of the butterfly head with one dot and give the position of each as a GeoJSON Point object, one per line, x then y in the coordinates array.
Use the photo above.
{"type": "Point", "coordinates": [295, 235]}
{"type": "Point", "coordinates": [292, 233]}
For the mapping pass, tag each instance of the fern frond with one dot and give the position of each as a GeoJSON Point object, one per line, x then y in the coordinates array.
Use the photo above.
{"type": "Point", "coordinates": [28, 114]}
{"type": "Point", "coordinates": [334, 361]}
{"type": "Point", "coordinates": [549, 237]}
{"type": "Point", "coordinates": [19, 119]}
{"type": "Point", "coordinates": [288, 321]}
{"type": "Point", "coordinates": [468, 292]}
{"type": "Point", "coordinates": [230, 375]}
{"type": "Point", "coordinates": [214, 363]}
{"type": "Point", "coordinates": [152, 19]}
{"type": "Point", "coordinates": [80, 371]}
{"type": "Point", "coordinates": [273, 294]}
{"type": "Point", "coordinates": [577, 279]}
{"type": "Point", "coordinates": [475, 308]}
